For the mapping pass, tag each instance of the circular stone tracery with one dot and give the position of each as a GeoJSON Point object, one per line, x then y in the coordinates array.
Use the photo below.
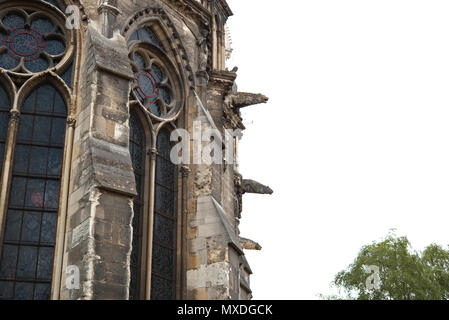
{"type": "Point", "coordinates": [146, 86]}
{"type": "Point", "coordinates": [30, 41]}
{"type": "Point", "coordinates": [152, 86]}
{"type": "Point", "coordinates": [24, 43]}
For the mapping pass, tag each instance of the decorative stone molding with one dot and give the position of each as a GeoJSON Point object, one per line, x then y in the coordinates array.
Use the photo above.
{"type": "Point", "coordinates": [14, 115]}
{"type": "Point", "coordinates": [174, 38]}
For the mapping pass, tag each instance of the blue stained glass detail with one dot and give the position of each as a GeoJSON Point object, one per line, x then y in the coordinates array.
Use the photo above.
{"type": "Point", "coordinates": [43, 25]}
{"type": "Point", "coordinates": [139, 60]}
{"type": "Point", "coordinates": [37, 65]}
{"type": "Point", "coordinates": [134, 37]}
{"type": "Point", "coordinates": [164, 235]}
{"type": "Point", "coordinates": [35, 43]}
{"type": "Point", "coordinates": [55, 47]}
{"type": "Point", "coordinates": [4, 111]}
{"type": "Point", "coordinates": [27, 262]}
{"type": "Point", "coordinates": [157, 72]}
{"type": "Point", "coordinates": [12, 21]}
{"type": "Point", "coordinates": [6, 62]}
{"type": "Point", "coordinates": [28, 245]}
{"type": "Point", "coordinates": [147, 34]}
{"type": "Point", "coordinates": [42, 291]}
{"type": "Point", "coordinates": [4, 99]}
{"type": "Point", "coordinates": [165, 95]}
{"type": "Point", "coordinates": [67, 76]}
{"type": "Point", "coordinates": [137, 151]}
{"type": "Point", "coordinates": [154, 108]}
{"type": "Point", "coordinates": [24, 291]}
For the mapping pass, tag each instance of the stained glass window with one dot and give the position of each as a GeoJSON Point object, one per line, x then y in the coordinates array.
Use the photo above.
{"type": "Point", "coordinates": [137, 151]}
{"type": "Point", "coordinates": [164, 229]}
{"type": "Point", "coordinates": [4, 109]}
{"type": "Point", "coordinates": [152, 87]}
{"type": "Point", "coordinates": [29, 42]}
{"type": "Point", "coordinates": [28, 245]}
{"type": "Point", "coordinates": [146, 34]}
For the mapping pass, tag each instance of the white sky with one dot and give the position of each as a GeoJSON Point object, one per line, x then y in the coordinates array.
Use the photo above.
{"type": "Point", "coordinates": [354, 140]}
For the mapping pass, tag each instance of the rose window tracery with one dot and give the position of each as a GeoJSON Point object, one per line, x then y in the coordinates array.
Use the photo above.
{"type": "Point", "coordinates": [30, 41]}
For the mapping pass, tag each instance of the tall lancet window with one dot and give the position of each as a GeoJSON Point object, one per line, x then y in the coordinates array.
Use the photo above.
{"type": "Point", "coordinates": [158, 95]}
{"type": "Point", "coordinates": [164, 230]}
{"type": "Point", "coordinates": [34, 109]}
{"type": "Point", "coordinates": [5, 105]}
{"type": "Point", "coordinates": [137, 150]}
{"type": "Point", "coordinates": [29, 238]}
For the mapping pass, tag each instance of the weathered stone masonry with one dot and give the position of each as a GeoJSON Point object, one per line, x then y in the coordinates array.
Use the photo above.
{"type": "Point", "coordinates": [97, 235]}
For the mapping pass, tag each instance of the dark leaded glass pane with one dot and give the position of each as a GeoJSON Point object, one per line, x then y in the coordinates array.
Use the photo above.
{"type": "Point", "coordinates": [45, 98]}
{"type": "Point", "coordinates": [4, 108]}
{"type": "Point", "coordinates": [37, 65]}
{"type": "Point", "coordinates": [31, 227]}
{"type": "Point", "coordinates": [28, 246]}
{"type": "Point", "coordinates": [161, 289]}
{"type": "Point", "coordinates": [27, 261]}
{"type": "Point", "coordinates": [163, 261]}
{"type": "Point", "coordinates": [35, 191]}
{"type": "Point", "coordinates": [6, 290]}
{"type": "Point", "coordinates": [137, 151]}
{"type": "Point", "coordinates": [12, 21]}
{"type": "Point", "coordinates": [6, 62]}
{"type": "Point", "coordinates": [43, 25]}
{"type": "Point", "coordinates": [157, 72]}
{"type": "Point", "coordinates": [165, 95]}
{"type": "Point", "coordinates": [147, 34]}
{"type": "Point", "coordinates": [9, 261]}
{"type": "Point", "coordinates": [4, 99]}
{"type": "Point", "coordinates": [13, 226]}
{"type": "Point", "coordinates": [54, 161]}
{"type": "Point", "coordinates": [55, 47]}
{"type": "Point", "coordinates": [134, 37]}
{"type": "Point", "coordinates": [138, 59]}
{"type": "Point", "coordinates": [164, 230]}
{"type": "Point", "coordinates": [58, 131]}
{"type": "Point", "coordinates": [21, 158]}
{"type": "Point", "coordinates": [45, 263]}
{"type": "Point", "coordinates": [67, 77]}
{"type": "Point", "coordinates": [17, 194]}
{"type": "Point", "coordinates": [42, 291]}
{"type": "Point", "coordinates": [38, 160]}
{"type": "Point", "coordinates": [42, 128]}
{"type": "Point", "coordinates": [48, 230]}
{"type": "Point", "coordinates": [164, 235]}
{"type": "Point", "coordinates": [24, 291]}
{"type": "Point", "coordinates": [25, 128]}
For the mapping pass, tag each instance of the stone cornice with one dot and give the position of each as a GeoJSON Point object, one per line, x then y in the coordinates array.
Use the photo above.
{"type": "Point", "coordinates": [222, 81]}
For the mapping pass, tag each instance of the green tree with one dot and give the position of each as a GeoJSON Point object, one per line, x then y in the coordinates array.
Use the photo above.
{"type": "Point", "coordinates": [404, 274]}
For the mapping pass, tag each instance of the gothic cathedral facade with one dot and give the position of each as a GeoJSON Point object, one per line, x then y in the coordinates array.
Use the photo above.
{"type": "Point", "coordinates": [93, 95]}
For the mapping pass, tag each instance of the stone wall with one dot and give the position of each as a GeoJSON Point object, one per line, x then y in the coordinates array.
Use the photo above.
{"type": "Point", "coordinates": [102, 187]}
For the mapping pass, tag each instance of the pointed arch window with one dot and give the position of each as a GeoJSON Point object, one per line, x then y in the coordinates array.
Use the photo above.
{"type": "Point", "coordinates": [157, 93]}
{"type": "Point", "coordinates": [33, 39]}
{"type": "Point", "coordinates": [29, 238]}
{"type": "Point", "coordinates": [163, 277]}
{"type": "Point", "coordinates": [137, 150]}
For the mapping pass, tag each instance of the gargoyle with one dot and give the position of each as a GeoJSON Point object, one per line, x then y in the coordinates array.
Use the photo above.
{"type": "Point", "coordinates": [251, 186]}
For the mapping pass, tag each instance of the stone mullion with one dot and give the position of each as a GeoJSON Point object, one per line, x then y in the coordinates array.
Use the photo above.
{"type": "Point", "coordinates": [13, 125]}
